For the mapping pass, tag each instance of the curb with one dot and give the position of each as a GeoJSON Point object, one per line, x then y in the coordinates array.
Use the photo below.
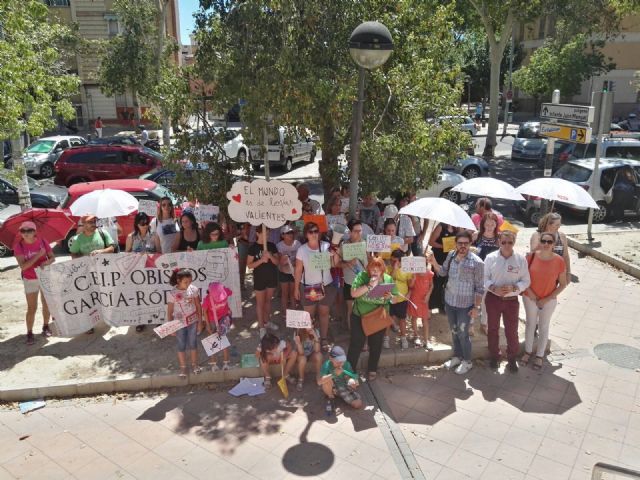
{"type": "Point", "coordinates": [587, 249]}
{"type": "Point", "coordinates": [129, 383]}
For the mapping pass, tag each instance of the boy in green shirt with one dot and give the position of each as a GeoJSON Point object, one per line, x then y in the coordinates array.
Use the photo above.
{"type": "Point", "coordinates": [337, 378]}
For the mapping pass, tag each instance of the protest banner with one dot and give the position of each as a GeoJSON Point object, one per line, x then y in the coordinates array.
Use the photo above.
{"type": "Point", "coordinates": [319, 261]}
{"type": "Point", "coordinates": [413, 264]}
{"type": "Point", "coordinates": [298, 319]}
{"type": "Point", "coordinates": [354, 250]}
{"type": "Point", "coordinates": [128, 289]}
{"type": "Point", "coordinates": [271, 203]}
{"type": "Point", "coordinates": [168, 328]}
{"type": "Point", "coordinates": [215, 343]}
{"type": "Point", "coordinates": [206, 213]}
{"type": "Point", "coordinates": [150, 207]}
{"type": "Point", "coordinates": [378, 243]}
{"type": "Point", "coordinates": [320, 220]}
{"type": "Point", "coordinates": [448, 244]}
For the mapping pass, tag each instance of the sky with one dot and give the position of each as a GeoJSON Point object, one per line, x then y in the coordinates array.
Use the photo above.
{"type": "Point", "coordinates": [187, 8]}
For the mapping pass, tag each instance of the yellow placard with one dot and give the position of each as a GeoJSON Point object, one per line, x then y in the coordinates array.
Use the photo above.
{"type": "Point", "coordinates": [448, 244]}
{"type": "Point", "coordinates": [387, 255]}
{"type": "Point", "coordinates": [508, 226]}
{"type": "Point", "coordinates": [282, 383]}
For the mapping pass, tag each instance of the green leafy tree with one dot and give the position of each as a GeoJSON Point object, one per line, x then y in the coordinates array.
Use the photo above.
{"type": "Point", "coordinates": [562, 66]}
{"type": "Point", "coordinates": [289, 60]}
{"type": "Point", "coordinates": [36, 86]}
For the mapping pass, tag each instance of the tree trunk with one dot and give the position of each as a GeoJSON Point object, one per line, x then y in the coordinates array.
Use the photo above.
{"type": "Point", "coordinates": [329, 162]}
{"type": "Point", "coordinates": [136, 107]}
{"type": "Point", "coordinates": [24, 197]}
{"type": "Point", "coordinates": [494, 99]}
{"type": "Point", "coordinates": [162, 33]}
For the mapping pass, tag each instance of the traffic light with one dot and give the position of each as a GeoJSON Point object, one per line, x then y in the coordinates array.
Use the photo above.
{"type": "Point", "coordinates": [608, 86]}
{"type": "Point", "coordinates": [612, 86]}
{"type": "Point", "coordinates": [605, 86]}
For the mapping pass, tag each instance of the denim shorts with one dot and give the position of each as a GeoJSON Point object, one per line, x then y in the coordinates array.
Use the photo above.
{"type": "Point", "coordinates": [187, 337]}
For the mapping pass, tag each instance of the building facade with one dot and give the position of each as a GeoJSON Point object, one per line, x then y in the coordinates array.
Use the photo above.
{"type": "Point", "coordinates": [96, 20]}
{"type": "Point", "coordinates": [624, 51]}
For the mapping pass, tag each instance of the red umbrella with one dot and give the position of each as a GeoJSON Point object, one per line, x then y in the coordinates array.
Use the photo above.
{"type": "Point", "coordinates": [52, 225]}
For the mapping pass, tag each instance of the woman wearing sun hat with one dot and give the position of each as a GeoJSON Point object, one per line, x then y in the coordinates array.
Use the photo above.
{"type": "Point", "coordinates": [32, 252]}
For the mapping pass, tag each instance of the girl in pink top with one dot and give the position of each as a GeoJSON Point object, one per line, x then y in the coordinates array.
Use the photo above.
{"type": "Point", "coordinates": [32, 252]}
{"type": "Point", "coordinates": [217, 317]}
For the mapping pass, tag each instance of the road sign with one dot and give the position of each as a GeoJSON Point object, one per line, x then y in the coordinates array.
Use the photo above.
{"type": "Point", "coordinates": [570, 133]}
{"type": "Point", "coordinates": [574, 113]}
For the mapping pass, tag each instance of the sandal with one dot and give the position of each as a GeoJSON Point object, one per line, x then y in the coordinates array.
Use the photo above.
{"type": "Point", "coordinates": [267, 383]}
{"type": "Point", "coordinates": [299, 386]}
{"type": "Point", "coordinates": [183, 371]}
{"type": "Point", "coordinates": [373, 376]}
{"type": "Point", "coordinates": [537, 363]}
{"type": "Point", "coordinates": [196, 369]}
{"type": "Point", "coordinates": [524, 360]}
{"type": "Point", "coordinates": [291, 380]}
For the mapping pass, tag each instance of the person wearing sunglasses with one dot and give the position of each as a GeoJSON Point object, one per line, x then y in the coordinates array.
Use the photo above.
{"type": "Point", "coordinates": [141, 240]}
{"type": "Point", "coordinates": [462, 297]}
{"type": "Point", "coordinates": [548, 279]}
{"type": "Point", "coordinates": [32, 252]}
{"type": "Point", "coordinates": [165, 225]}
{"type": "Point", "coordinates": [506, 275]}
{"type": "Point", "coordinates": [313, 283]}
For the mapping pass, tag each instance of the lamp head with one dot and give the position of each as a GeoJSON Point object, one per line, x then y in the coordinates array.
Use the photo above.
{"type": "Point", "coordinates": [370, 45]}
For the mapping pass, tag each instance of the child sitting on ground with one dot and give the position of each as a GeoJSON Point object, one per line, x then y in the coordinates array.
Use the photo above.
{"type": "Point", "coordinates": [217, 318]}
{"type": "Point", "coordinates": [273, 351]}
{"type": "Point", "coordinates": [338, 378]}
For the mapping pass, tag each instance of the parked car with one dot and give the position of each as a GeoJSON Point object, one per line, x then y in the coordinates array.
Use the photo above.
{"type": "Point", "coordinates": [42, 196]}
{"type": "Point", "coordinates": [465, 122]}
{"type": "Point", "coordinates": [581, 173]}
{"type": "Point", "coordinates": [104, 162]}
{"type": "Point", "coordinates": [614, 146]}
{"type": "Point", "coordinates": [469, 167]}
{"type": "Point", "coordinates": [41, 156]}
{"type": "Point", "coordinates": [529, 145]}
{"type": "Point", "coordinates": [114, 140]}
{"type": "Point", "coordinates": [286, 147]}
{"type": "Point", "coordinates": [442, 188]}
{"type": "Point", "coordinates": [141, 189]}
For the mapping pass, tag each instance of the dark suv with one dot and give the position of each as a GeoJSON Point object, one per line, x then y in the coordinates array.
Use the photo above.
{"type": "Point", "coordinates": [108, 162]}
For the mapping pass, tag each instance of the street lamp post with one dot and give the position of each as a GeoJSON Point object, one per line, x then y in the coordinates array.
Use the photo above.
{"type": "Point", "coordinates": [370, 46]}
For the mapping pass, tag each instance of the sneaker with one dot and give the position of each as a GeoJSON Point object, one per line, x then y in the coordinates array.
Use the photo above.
{"type": "Point", "coordinates": [494, 364]}
{"type": "Point", "coordinates": [272, 326]}
{"type": "Point", "coordinates": [263, 332]}
{"type": "Point", "coordinates": [428, 347]}
{"type": "Point", "coordinates": [417, 342]}
{"type": "Point", "coordinates": [215, 367]}
{"type": "Point", "coordinates": [512, 366]}
{"type": "Point", "coordinates": [226, 366]}
{"type": "Point", "coordinates": [452, 363]}
{"type": "Point", "coordinates": [464, 367]}
{"type": "Point", "coordinates": [404, 344]}
{"type": "Point", "coordinates": [385, 342]}
{"type": "Point", "coordinates": [46, 331]}
{"type": "Point", "coordinates": [30, 338]}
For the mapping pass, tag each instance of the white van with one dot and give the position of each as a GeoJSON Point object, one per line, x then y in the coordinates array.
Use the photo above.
{"type": "Point", "coordinates": [287, 146]}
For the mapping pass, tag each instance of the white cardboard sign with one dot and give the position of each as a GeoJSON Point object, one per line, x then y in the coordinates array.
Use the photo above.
{"type": "Point", "coordinates": [150, 207]}
{"type": "Point", "coordinates": [271, 203]}
{"type": "Point", "coordinates": [413, 264]}
{"type": "Point", "coordinates": [215, 343]}
{"type": "Point", "coordinates": [298, 319]}
{"type": "Point", "coordinates": [378, 243]}
{"type": "Point", "coordinates": [168, 328]}
{"type": "Point", "coordinates": [206, 213]}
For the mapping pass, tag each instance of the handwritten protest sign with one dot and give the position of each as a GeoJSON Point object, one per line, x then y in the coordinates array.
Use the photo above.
{"type": "Point", "coordinates": [344, 205]}
{"type": "Point", "coordinates": [336, 220]}
{"type": "Point", "coordinates": [378, 243]}
{"type": "Point", "coordinates": [215, 343]}
{"type": "Point", "coordinates": [298, 319]}
{"type": "Point", "coordinates": [320, 220]}
{"type": "Point", "coordinates": [272, 203]}
{"type": "Point", "coordinates": [319, 261]}
{"type": "Point", "coordinates": [394, 246]}
{"type": "Point", "coordinates": [168, 328]}
{"type": "Point", "coordinates": [128, 289]}
{"type": "Point", "coordinates": [448, 244]}
{"type": "Point", "coordinates": [413, 264]}
{"type": "Point", "coordinates": [206, 213]}
{"type": "Point", "coordinates": [150, 207]}
{"type": "Point", "coordinates": [354, 250]}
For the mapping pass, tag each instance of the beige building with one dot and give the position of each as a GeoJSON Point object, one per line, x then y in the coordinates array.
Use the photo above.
{"type": "Point", "coordinates": [96, 20]}
{"type": "Point", "coordinates": [624, 51]}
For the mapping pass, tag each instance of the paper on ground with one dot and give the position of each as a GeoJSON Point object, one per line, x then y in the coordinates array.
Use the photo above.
{"type": "Point", "coordinates": [248, 386]}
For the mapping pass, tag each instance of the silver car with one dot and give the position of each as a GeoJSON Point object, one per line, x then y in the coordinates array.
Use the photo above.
{"type": "Point", "coordinates": [42, 154]}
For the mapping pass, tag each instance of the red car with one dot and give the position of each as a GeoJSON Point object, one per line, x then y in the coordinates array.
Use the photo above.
{"type": "Point", "coordinates": [141, 189]}
{"type": "Point", "coordinates": [104, 162]}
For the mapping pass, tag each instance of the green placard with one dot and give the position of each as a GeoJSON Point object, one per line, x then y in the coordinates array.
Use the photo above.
{"type": "Point", "coordinates": [354, 250]}
{"type": "Point", "coordinates": [319, 261]}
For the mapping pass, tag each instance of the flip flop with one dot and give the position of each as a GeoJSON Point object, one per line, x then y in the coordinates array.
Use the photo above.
{"type": "Point", "coordinates": [524, 360]}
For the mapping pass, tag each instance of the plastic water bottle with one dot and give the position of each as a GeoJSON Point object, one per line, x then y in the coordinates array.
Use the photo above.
{"type": "Point", "coordinates": [328, 409]}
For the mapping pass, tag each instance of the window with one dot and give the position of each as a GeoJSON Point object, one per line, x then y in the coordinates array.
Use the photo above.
{"type": "Point", "coordinates": [585, 150]}
{"type": "Point", "coordinates": [573, 173]}
{"type": "Point", "coordinates": [113, 28]}
{"type": "Point", "coordinates": [63, 144]}
{"type": "Point", "coordinates": [624, 151]}
{"type": "Point", "coordinates": [541, 28]}
{"type": "Point", "coordinates": [136, 158]}
{"type": "Point", "coordinates": [76, 142]}
{"type": "Point", "coordinates": [57, 3]}
{"type": "Point", "coordinates": [112, 158]}
{"type": "Point", "coordinates": [607, 177]}
{"type": "Point", "coordinates": [85, 157]}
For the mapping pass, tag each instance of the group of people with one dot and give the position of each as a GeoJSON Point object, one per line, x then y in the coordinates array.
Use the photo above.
{"type": "Point", "coordinates": [483, 282]}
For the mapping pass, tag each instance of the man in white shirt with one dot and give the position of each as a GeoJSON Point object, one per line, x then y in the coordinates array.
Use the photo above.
{"type": "Point", "coordinates": [506, 275]}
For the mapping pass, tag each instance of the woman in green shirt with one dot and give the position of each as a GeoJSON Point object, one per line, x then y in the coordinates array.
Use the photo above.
{"type": "Point", "coordinates": [212, 237]}
{"type": "Point", "coordinates": [363, 284]}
